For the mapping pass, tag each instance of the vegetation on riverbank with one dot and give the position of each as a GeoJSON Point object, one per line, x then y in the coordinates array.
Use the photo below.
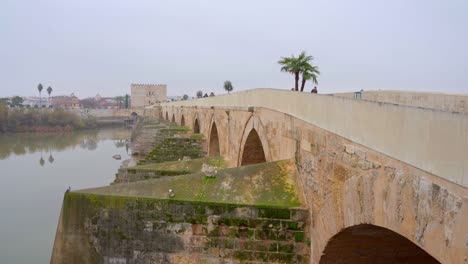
{"type": "Point", "coordinates": [33, 120]}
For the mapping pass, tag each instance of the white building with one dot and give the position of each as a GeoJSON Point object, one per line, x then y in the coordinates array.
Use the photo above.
{"type": "Point", "coordinates": [34, 101]}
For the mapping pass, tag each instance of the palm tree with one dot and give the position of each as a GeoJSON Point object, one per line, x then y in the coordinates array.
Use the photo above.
{"type": "Point", "coordinates": [309, 73]}
{"type": "Point", "coordinates": [39, 88]}
{"type": "Point", "coordinates": [49, 91]}
{"type": "Point", "coordinates": [296, 66]}
{"type": "Point", "coordinates": [228, 86]}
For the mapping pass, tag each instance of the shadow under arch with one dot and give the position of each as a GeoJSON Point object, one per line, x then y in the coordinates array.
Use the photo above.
{"type": "Point", "coordinates": [196, 126]}
{"type": "Point", "coordinates": [133, 116]}
{"type": "Point", "coordinates": [367, 243]}
{"type": "Point", "coordinates": [253, 124]}
{"type": "Point", "coordinates": [214, 141]}
{"type": "Point", "coordinates": [167, 116]}
{"type": "Point", "coordinates": [182, 121]}
{"type": "Point", "coordinates": [173, 118]}
{"type": "Point", "coordinates": [253, 149]}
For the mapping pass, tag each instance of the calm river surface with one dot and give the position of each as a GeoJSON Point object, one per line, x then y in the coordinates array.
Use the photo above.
{"type": "Point", "coordinates": [35, 170]}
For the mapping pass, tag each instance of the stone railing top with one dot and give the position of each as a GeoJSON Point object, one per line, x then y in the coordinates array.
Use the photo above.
{"type": "Point", "coordinates": [432, 140]}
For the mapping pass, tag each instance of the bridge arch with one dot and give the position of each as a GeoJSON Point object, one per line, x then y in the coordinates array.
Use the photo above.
{"type": "Point", "coordinates": [214, 141]}
{"type": "Point", "coordinates": [182, 121]}
{"type": "Point", "coordinates": [196, 126]}
{"type": "Point", "coordinates": [173, 118]}
{"type": "Point", "coordinates": [167, 116]}
{"type": "Point", "coordinates": [367, 243]}
{"type": "Point", "coordinates": [254, 146]}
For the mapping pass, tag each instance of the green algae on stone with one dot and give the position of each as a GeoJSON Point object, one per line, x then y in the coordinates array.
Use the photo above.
{"type": "Point", "coordinates": [266, 184]}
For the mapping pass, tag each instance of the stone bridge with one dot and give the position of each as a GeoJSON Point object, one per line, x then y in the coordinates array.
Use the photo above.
{"type": "Point", "coordinates": [383, 183]}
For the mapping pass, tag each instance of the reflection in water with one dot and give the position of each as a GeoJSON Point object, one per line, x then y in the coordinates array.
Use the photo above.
{"type": "Point", "coordinates": [31, 192]}
{"type": "Point", "coordinates": [119, 143]}
{"type": "Point", "coordinates": [51, 158]}
{"type": "Point", "coordinates": [23, 143]}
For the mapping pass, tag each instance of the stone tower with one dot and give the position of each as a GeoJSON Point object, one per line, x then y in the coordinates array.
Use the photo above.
{"type": "Point", "coordinates": [147, 94]}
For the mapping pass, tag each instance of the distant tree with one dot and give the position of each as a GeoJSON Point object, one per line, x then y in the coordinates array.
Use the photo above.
{"type": "Point", "coordinates": [199, 94]}
{"type": "Point", "coordinates": [17, 101]}
{"type": "Point", "coordinates": [185, 97]}
{"type": "Point", "coordinates": [228, 86]}
{"type": "Point", "coordinates": [49, 91]}
{"type": "Point", "coordinates": [4, 100]}
{"type": "Point", "coordinates": [206, 95]}
{"type": "Point", "coordinates": [3, 117]}
{"type": "Point", "coordinates": [212, 94]}
{"type": "Point", "coordinates": [39, 88]}
{"type": "Point", "coordinates": [126, 101]}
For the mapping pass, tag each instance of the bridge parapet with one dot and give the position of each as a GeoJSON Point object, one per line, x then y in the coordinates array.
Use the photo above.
{"type": "Point", "coordinates": [431, 140]}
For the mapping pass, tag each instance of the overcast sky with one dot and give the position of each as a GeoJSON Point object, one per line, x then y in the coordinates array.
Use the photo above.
{"type": "Point", "coordinates": [98, 46]}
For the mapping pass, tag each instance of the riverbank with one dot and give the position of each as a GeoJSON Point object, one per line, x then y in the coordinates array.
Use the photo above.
{"type": "Point", "coordinates": [55, 120]}
{"type": "Point", "coordinates": [30, 120]}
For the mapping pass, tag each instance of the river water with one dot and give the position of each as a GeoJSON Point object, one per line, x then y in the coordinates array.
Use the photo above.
{"type": "Point", "coordinates": [35, 170]}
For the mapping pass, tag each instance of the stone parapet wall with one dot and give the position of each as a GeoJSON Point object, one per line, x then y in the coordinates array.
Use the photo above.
{"type": "Point", "coordinates": [434, 141]}
{"type": "Point", "coordinates": [438, 101]}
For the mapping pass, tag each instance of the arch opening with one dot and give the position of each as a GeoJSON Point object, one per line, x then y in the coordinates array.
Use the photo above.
{"type": "Point", "coordinates": [133, 116]}
{"type": "Point", "coordinates": [167, 116]}
{"type": "Point", "coordinates": [253, 150]}
{"type": "Point", "coordinates": [182, 121]}
{"type": "Point", "coordinates": [372, 244]}
{"type": "Point", "coordinates": [173, 118]}
{"type": "Point", "coordinates": [214, 141]}
{"type": "Point", "coordinates": [196, 127]}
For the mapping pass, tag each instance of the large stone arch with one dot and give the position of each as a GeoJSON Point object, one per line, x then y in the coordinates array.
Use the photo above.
{"type": "Point", "coordinates": [367, 243]}
{"type": "Point", "coordinates": [253, 137]}
{"type": "Point", "coordinates": [221, 119]}
{"type": "Point", "coordinates": [213, 146]}
{"type": "Point", "coordinates": [385, 193]}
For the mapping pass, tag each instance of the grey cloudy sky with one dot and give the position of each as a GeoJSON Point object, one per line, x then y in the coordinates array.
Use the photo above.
{"type": "Point", "coordinates": [90, 46]}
